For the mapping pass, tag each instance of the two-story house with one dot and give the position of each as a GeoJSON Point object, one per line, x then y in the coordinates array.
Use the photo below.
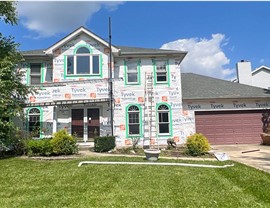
{"type": "Point", "coordinates": [72, 78]}
{"type": "Point", "coordinates": [142, 91]}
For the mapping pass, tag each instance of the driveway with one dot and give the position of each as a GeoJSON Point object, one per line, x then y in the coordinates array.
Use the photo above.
{"type": "Point", "coordinates": [257, 156]}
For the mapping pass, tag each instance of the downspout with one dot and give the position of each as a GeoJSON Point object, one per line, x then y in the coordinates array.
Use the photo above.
{"type": "Point", "coordinates": [110, 78]}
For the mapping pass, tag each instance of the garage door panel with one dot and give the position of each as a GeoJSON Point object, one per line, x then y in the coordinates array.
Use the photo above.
{"type": "Point", "coordinates": [230, 127]}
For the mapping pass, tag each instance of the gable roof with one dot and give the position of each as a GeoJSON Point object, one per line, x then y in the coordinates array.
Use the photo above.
{"type": "Point", "coordinates": [76, 33]}
{"type": "Point", "coordinates": [259, 69]}
{"type": "Point", "coordinates": [118, 51]}
{"type": "Point", "coordinates": [196, 86]}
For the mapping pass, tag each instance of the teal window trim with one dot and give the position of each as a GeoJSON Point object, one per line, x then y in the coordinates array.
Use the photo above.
{"type": "Point", "coordinates": [127, 122]}
{"type": "Point", "coordinates": [138, 73]}
{"type": "Point", "coordinates": [80, 46]}
{"type": "Point", "coordinates": [42, 77]}
{"type": "Point", "coordinates": [41, 135]}
{"type": "Point", "coordinates": [42, 74]}
{"type": "Point", "coordinates": [100, 75]}
{"type": "Point", "coordinates": [168, 82]}
{"type": "Point", "coordinates": [170, 121]}
{"type": "Point", "coordinates": [28, 74]}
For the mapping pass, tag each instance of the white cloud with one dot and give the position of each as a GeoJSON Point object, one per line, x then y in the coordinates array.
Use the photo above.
{"type": "Point", "coordinates": [51, 18]}
{"type": "Point", "coordinates": [205, 56]}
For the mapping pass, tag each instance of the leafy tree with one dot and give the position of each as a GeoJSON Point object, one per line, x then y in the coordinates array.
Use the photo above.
{"type": "Point", "coordinates": [12, 92]}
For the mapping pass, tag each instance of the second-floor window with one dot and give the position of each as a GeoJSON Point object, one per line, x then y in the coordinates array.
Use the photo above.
{"type": "Point", "coordinates": [161, 72]}
{"type": "Point", "coordinates": [83, 63]}
{"type": "Point", "coordinates": [35, 73]}
{"type": "Point", "coordinates": [132, 72]}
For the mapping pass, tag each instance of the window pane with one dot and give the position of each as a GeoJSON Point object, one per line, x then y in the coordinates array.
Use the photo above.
{"type": "Point", "coordinates": [162, 77]}
{"type": "Point", "coordinates": [34, 125]}
{"type": "Point", "coordinates": [70, 65]}
{"type": "Point", "coordinates": [35, 68]}
{"type": "Point", "coordinates": [164, 128]}
{"type": "Point", "coordinates": [35, 80]}
{"type": "Point", "coordinates": [95, 64]}
{"type": "Point", "coordinates": [163, 117]}
{"type": "Point", "coordinates": [83, 50]}
{"type": "Point", "coordinates": [83, 65]}
{"type": "Point", "coordinates": [133, 117]}
{"type": "Point", "coordinates": [134, 129]}
{"type": "Point", "coordinates": [132, 77]}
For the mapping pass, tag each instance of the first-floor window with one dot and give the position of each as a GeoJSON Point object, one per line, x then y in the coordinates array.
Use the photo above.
{"type": "Point", "coordinates": [34, 122]}
{"type": "Point", "coordinates": [133, 120]}
{"type": "Point", "coordinates": [161, 72]}
{"type": "Point", "coordinates": [163, 119]}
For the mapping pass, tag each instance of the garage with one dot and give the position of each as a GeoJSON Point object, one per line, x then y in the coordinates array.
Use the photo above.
{"type": "Point", "coordinates": [230, 127]}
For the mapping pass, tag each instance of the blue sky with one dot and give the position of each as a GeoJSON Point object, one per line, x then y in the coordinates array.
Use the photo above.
{"type": "Point", "coordinates": [216, 34]}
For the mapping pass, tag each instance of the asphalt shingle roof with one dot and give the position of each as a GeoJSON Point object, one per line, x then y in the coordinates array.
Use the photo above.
{"type": "Point", "coordinates": [124, 50]}
{"type": "Point", "coordinates": [196, 86]}
{"type": "Point", "coordinates": [138, 50]}
{"type": "Point", "coordinates": [39, 52]}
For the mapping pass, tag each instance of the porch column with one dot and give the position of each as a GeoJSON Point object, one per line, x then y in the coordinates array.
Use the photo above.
{"type": "Point", "coordinates": [55, 109]}
{"type": "Point", "coordinates": [85, 122]}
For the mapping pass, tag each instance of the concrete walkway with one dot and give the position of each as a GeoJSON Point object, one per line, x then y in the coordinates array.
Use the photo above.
{"type": "Point", "coordinates": [254, 155]}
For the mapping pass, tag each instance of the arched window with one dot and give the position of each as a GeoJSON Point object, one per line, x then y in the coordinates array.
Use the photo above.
{"type": "Point", "coordinates": [34, 122]}
{"type": "Point", "coordinates": [133, 120]}
{"type": "Point", "coordinates": [83, 62]}
{"type": "Point", "coordinates": [163, 119]}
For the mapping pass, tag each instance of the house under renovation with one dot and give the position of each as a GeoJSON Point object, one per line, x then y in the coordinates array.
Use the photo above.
{"type": "Point", "coordinates": [142, 90]}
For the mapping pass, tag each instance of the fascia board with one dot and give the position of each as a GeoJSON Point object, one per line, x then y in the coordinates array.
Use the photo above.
{"type": "Point", "coordinates": [74, 34]}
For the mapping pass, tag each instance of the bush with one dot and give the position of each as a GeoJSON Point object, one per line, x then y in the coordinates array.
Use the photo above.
{"type": "Point", "coordinates": [197, 144]}
{"type": "Point", "coordinates": [40, 147]}
{"type": "Point", "coordinates": [104, 144]}
{"type": "Point", "coordinates": [63, 143]}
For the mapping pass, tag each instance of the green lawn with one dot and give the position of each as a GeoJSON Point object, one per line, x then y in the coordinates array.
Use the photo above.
{"type": "Point", "coordinates": [29, 183]}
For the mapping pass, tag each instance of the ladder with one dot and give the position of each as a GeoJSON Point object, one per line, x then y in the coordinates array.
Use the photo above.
{"type": "Point", "coordinates": [150, 128]}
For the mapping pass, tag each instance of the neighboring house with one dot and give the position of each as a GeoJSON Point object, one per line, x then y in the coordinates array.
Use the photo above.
{"type": "Point", "coordinates": [225, 112]}
{"type": "Point", "coordinates": [72, 79]}
{"type": "Point", "coordinates": [259, 77]}
{"type": "Point", "coordinates": [152, 100]}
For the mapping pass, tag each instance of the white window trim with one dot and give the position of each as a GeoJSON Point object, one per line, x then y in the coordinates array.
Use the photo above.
{"type": "Point", "coordinates": [157, 71]}
{"type": "Point", "coordinates": [168, 112]}
{"type": "Point", "coordinates": [127, 72]}
{"type": "Point", "coordinates": [91, 64]}
{"type": "Point", "coordinates": [130, 112]}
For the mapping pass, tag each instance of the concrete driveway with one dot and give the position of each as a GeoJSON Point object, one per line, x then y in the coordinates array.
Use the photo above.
{"type": "Point", "coordinates": [257, 156]}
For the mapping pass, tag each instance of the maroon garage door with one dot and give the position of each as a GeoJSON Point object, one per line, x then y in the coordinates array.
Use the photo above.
{"type": "Point", "coordinates": [230, 127]}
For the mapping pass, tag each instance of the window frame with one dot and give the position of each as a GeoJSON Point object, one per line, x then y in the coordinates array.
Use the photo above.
{"type": "Point", "coordinates": [139, 123]}
{"type": "Point", "coordinates": [156, 64]}
{"type": "Point", "coordinates": [92, 62]}
{"type": "Point", "coordinates": [169, 122]}
{"type": "Point", "coordinates": [39, 75]}
{"type": "Point", "coordinates": [31, 128]}
{"type": "Point", "coordinates": [137, 63]}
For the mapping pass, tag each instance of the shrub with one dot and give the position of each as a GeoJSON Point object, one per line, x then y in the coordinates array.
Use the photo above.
{"type": "Point", "coordinates": [197, 144]}
{"type": "Point", "coordinates": [104, 144]}
{"type": "Point", "coordinates": [63, 143]}
{"type": "Point", "coordinates": [40, 147]}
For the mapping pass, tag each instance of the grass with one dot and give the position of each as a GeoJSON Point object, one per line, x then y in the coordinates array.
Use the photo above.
{"type": "Point", "coordinates": [32, 183]}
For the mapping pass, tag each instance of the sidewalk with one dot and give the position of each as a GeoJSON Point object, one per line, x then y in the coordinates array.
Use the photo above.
{"type": "Point", "coordinates": [254, 155]}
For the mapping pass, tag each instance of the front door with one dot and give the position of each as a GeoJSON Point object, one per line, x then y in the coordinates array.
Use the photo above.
{"type": "Point", "coordinates": [93, 123]}
{"type": "Point", "coordinates": [77, 124]}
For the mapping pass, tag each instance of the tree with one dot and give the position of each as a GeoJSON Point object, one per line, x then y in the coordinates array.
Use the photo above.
{"type": "Point", "coordinates": [12, 92]}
